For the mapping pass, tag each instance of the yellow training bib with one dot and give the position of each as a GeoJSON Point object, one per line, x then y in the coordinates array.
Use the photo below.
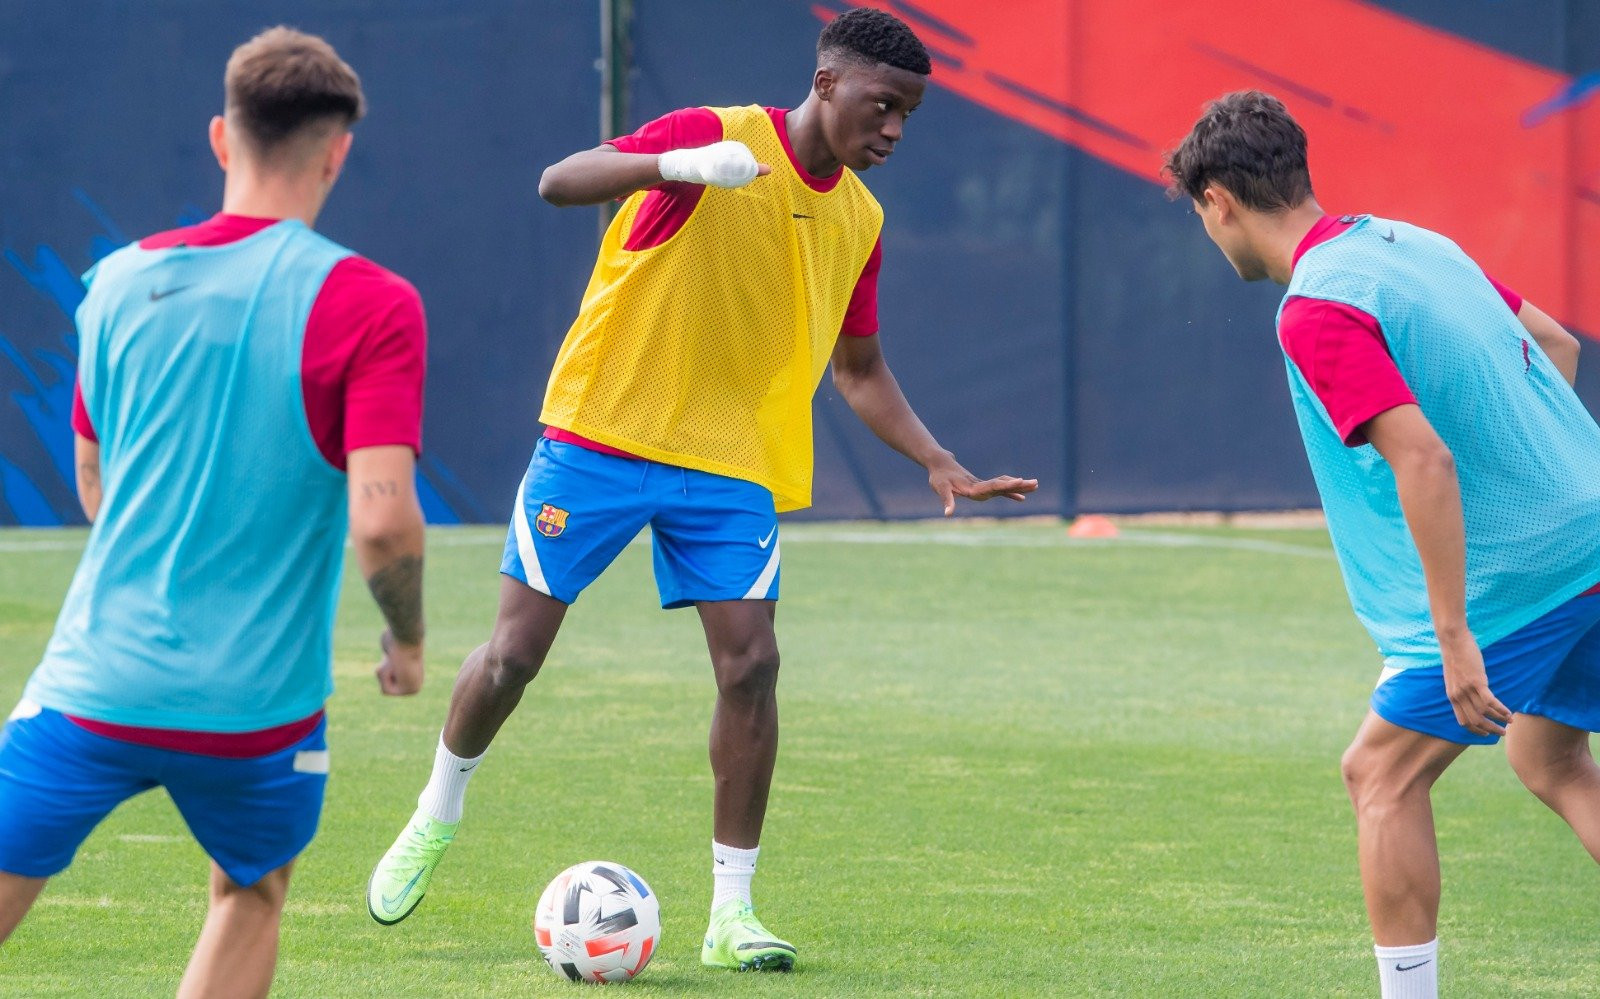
{"type": "Point", "coordinates": [704, 352]}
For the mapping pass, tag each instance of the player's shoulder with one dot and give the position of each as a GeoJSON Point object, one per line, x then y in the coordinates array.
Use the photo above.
{"type": "Point", "coordinates": [359, 278]}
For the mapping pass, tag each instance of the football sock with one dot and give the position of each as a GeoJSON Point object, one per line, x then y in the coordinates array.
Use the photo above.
{"type": "Point", "coordinates": [1409, 972]}
{"type": "Point", "coordinates": [732, 870]}
{"type": "Point", "coordinates": [447, 788]}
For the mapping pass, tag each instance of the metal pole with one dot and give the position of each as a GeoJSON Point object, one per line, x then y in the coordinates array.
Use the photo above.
{"type": "Point", "coordinates": [616, 59]}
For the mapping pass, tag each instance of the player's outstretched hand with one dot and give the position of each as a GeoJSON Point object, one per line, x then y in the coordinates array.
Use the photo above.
{"type": "Point", "coordinates": [400, 673]}
{"type": "Point", "coordinates": [951, 480]}
{"type": "Point", "coordinates": [1467, 685]}
{"type": "Point", "coordinates": [721, 164]}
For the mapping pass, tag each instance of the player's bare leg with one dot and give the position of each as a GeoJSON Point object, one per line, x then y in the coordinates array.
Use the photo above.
{"type": "Point", "coordinates": [1554, 761]}
{"type": "Point", "coordinates": [238, 947]}
{"type": "Point", "coordinates": [495, 674]}
{"type": "Point", "coordinates": [17, 895]}
{"type": "Point", "coordinates": [487, 690]}
{"type": "Point", "coordinates": [1389, 772]}
{"type": "Point", "coordinates": [744, 745]}
{"type": "Point", "coordinates": [744, 726]}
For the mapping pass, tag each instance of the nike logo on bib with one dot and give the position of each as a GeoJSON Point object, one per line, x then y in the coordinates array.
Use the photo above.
{"type": "Point", "coordinates": [156, 296]}
{"type": "Point", "coordinates": [764, 542]}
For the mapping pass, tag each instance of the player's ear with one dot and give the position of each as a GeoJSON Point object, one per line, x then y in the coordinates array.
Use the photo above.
{"type": "Point", "coordinates": [1219, 199]}
{"type": "Point", "coordinates": [823, 82]}
{"type": "Point", "coordinates": [338, 150]}
{"type": "Point", "coordinates": [218, 132]}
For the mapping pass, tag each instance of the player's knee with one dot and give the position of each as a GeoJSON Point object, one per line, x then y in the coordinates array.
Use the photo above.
{"type": "Point", "coordinates": [513, 661]}
{"type": "Point", "coordinates": [1547, 772]}
{"type": "Point", "coordinates": [1381, 779]}
{"type": "Point", "coordinates": [267, 895]}
{"type": "Point", "coordinates": [751, 674]}
{"type": "Point", "coordinates": [1368, 778]}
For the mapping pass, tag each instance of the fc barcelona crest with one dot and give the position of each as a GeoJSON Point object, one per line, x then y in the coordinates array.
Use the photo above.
{"type": "Point", "coordinates": [552, 521]}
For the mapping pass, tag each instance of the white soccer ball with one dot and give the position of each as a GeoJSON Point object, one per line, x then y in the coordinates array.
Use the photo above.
{"type": "Point", "coordinates": [597, 922]}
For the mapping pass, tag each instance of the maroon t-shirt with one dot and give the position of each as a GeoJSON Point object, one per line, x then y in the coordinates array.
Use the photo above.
{"type": "Point", "coordinates": [362, 366]}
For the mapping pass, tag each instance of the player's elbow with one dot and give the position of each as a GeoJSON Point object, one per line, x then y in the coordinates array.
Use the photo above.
{"type": "Point", "coordinates": [1429, 458]}
{"type": "Point", "coordinates": [395, 530]}
{"type": "Point", "coordinates": [555, 187]}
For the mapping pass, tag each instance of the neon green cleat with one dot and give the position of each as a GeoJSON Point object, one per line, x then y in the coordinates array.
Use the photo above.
{"type": "Point", "coordinates": [401, 877]}
{"type": "Point", "coordinates": [736, 939]}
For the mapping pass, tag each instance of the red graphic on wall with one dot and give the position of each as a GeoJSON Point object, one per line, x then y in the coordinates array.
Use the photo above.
{"type": "Point", "coordinates": [1404, 120]}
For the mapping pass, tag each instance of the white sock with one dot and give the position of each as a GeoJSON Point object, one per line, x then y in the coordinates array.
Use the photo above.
{"type": "Point", "coordinates": [447, 788]}
{"type": "Point", "coordinates": [1409, 972]}
{"type": "Point", "coordinates": [731, 872]}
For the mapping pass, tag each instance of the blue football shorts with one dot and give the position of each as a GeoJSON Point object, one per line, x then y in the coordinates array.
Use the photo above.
{"type": "Point", "coordinates": [1550, 668]}
{"type": "Point", "coordinates": [715, 537]}
{"type": "Point", "coordinates": [58, 781]}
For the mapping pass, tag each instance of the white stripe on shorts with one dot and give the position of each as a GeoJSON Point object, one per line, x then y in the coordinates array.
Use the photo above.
{"type": "Point", "coordinates": [762, 590]}
{"type": "Point", "coordinates": [311, 761]}
{"type": "Point", "coordinates": [525, 550]}
{"type": "Point", "coordinates": [1389, 673]}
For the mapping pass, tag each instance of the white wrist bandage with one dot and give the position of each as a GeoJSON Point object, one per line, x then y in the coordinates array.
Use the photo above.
{"type": "Point", "coordinates": [721, 164]}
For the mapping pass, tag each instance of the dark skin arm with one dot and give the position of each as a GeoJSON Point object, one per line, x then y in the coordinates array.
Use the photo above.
{"type": "Point", "coordinates": [1430, 496]}
{"type": "Point", "coordinates": [600, 175]}
{"type": "Point", "coordinates": [862, 376]}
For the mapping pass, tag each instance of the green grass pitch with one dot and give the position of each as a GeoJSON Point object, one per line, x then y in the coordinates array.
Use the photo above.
{"type": "Point", "coordinates": [1011, 765]}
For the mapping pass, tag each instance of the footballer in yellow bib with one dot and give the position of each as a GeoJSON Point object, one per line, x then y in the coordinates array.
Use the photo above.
{"type": "Point", "coordinates": [741, 267]}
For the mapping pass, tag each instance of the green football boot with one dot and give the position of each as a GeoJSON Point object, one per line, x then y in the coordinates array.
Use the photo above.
{"type": "Point", "coordinates": [736, 939]}
{"type": "Point", "coordinates": [401, 877]}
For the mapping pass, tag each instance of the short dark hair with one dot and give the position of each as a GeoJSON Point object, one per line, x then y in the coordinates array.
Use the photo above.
{"type": "Point", "coordinates": [1248, 143]}
{"type": "Point", "coordinates": [874, 36]}
{"type": "Point", "coordinates": [282, 81]}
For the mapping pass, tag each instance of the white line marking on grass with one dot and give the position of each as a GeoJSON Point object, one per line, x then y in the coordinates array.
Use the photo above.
{"type": "Point", "coordinates": [41, 546]}
{"type": "Point", "coordinates": [999, 539]}
{"type": "Point", "coordinates": [149, 838]}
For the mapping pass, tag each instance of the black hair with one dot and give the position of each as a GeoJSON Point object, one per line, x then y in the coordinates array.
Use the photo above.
{"type": "Point", "coordinates": [1248, 143]}
{"type": "Point", "coordinates": [874, 36]}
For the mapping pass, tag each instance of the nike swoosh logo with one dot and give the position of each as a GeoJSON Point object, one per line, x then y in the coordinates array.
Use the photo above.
{"type": "Point", "coordinates": [799, 216]}
{"type": "Point", "coordinates": [466, 769]}
{"type": "Point", "coordinates": [390, 903]}
{"type": "Point", "coordinates": [764, 542]}
{"type": "Point", "coordinates": [1410, 967]}
{"type": "Point", "coordinates": [1389, 238]}
{"type": "Point", "coordinates": [156, 296]}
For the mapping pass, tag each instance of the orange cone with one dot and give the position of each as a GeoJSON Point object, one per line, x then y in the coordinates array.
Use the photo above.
{"type": "Point", "coordinates": [1093, 525]}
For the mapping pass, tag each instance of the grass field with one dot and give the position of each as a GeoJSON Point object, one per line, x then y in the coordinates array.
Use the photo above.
{"type": "Point", "coordinates": [1011, 765]}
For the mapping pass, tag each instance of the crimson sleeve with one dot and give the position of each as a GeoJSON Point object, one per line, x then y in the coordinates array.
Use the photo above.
{"type": "Point", "coordinates": [363, 360]}
{"type": "Point", "coordinates": [80, 414]}
{"type": "Point", "coordinates": [1342, 354]}
{"type": "Point", "coordinates": [1512, 299]}
{"type": "Point", "coordinates": [861, 317]}
{"type": "Point", "coordinates": [685, 128]}
{"type": "Point", "coordinates": [383, 398]}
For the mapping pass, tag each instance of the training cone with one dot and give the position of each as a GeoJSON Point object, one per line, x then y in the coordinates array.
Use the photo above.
{"type": "Point", "coordinates": [1092, 525]}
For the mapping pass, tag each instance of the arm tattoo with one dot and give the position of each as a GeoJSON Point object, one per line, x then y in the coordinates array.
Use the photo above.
{"type": "Point", "coordinates": [372, 490]}
{"type": "Point", "coordinates": [397, 587]}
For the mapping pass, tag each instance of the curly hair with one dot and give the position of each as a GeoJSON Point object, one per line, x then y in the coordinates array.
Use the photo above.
{"type": "Point", "coordinates": [874, 36]}
{"type": "Point", "coordinates": [1246, 142]}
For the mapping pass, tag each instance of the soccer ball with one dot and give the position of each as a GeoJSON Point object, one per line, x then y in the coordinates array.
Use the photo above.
{"type": "Point", "coordinates": [597, 922]}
